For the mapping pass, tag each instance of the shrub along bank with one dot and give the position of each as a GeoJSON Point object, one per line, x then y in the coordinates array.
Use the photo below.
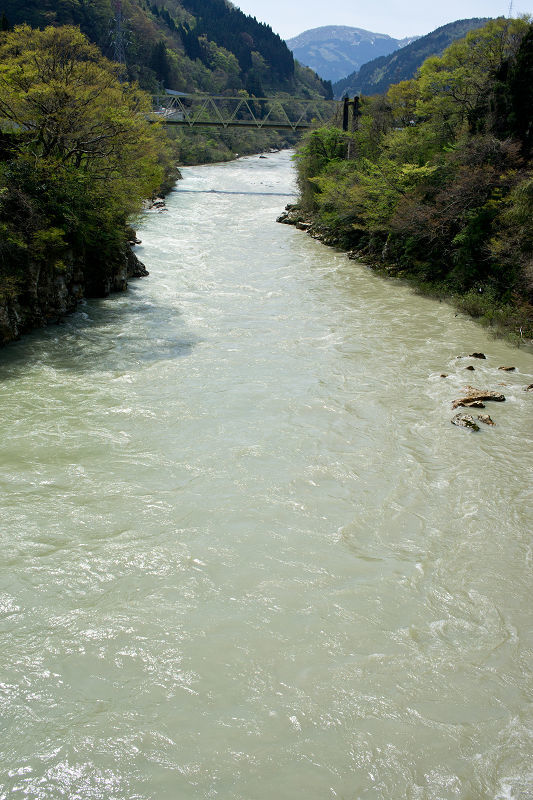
{"type": "Point", "coordinates": [435, 183]}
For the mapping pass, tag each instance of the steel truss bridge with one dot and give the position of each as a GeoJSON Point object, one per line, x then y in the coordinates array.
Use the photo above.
{"type": "Point", "coordinates": [212, 111]}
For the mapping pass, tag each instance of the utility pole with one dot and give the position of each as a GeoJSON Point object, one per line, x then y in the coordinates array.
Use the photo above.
{"type": "Point", "coordinates": [345, 108]}
{"type": "Point", "coordinates": [356, 113]}
{"type": "Point", "coordinates": [119, 51]}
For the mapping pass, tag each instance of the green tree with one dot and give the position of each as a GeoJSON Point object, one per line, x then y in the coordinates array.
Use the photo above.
{"type": "Point", "coordinates": [68, 106]}
{"type": "Point", "coordinates": [455, 88]}
{"type": "Point", "coordinates": [83, 154]}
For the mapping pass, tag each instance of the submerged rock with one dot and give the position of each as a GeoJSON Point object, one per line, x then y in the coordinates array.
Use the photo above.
{"type": "Point", "coordinates": [478, 355]}
{"type": "Point", "coordinates": [529, 388]}
{"type": "Point", "coordinates": [485, 419]}
{"type": "Point", "coordinates": [465, 421]}
{"type": "Point", "coordinates": [507, 369]}
{"type": "Point", "coordinates": [444, 375]}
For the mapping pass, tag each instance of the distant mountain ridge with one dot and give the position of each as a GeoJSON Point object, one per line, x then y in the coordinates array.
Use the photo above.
{"type": "Point", "coordinates": [334, 50]}
{"type": "Point", "coordinates": [377, 75]}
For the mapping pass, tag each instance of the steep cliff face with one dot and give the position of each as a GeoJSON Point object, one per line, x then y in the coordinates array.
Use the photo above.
{"type": "Point", "coordinates": [49, 293]}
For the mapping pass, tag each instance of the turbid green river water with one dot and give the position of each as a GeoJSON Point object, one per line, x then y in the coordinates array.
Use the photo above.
{"type": "Point", "coordinates": [245, 555]}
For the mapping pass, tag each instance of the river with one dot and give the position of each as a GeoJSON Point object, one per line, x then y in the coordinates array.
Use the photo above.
{"type": "Point", "coordinates": [245, 554]}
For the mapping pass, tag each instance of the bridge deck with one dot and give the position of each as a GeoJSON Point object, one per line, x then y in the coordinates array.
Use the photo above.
{"type": "Point", "coordinates": [280, 126]}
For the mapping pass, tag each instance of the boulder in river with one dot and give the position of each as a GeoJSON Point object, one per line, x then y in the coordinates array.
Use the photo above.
{"type": "Point", "coordinates": [529, 388]}
{"type": "Point", "coordinates": [465, 403]}
{"type": "Point", "coordinates": [465, 421]}
{"type": "Point", "coordinates": [477, 395]}
{"type": "Point", "coordinates": [444, 375]}
{"type": "Point", "coordinates": [485, 419]}
{"type": "Point", "coordinates": [478, 355]}
{"type": "Point", "coordinates": [507, 369]}
{"type": "Point", "coordinates": [470, 367]}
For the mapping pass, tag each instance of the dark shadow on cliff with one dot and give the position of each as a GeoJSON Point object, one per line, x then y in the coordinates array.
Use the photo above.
{"type": "Point", "coordinates": [96, 338]}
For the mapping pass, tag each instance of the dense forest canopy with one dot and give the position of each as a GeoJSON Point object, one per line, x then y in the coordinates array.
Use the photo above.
{"type": "Point", "coordinates": [436, 180]}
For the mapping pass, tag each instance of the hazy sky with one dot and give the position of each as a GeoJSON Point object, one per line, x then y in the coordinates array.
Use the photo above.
{"type": "Point", "coordinates": [398, 19]}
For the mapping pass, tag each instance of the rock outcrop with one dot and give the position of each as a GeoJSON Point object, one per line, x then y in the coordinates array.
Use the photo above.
{"type": "Point", "coordinates": [476, 398]}
{"type": "Point", "coordinates": [49, 293]}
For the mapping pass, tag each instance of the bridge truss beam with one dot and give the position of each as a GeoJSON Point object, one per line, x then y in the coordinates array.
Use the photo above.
{"type": "Point", "coordinates": [211, 111]}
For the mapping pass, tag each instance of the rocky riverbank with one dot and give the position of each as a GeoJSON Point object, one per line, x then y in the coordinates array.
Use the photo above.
{"type": "Point", "coordinates": [512, 322]}
{"type": "Point", "coordinates": [49, 292]}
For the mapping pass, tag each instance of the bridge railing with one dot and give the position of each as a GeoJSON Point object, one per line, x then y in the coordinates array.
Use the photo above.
{"type": "Point", "coordinates": [281, 113]}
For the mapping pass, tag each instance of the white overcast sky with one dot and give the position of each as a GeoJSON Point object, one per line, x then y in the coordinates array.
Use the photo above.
{"type": "Point", "coordinates": [395, 17]}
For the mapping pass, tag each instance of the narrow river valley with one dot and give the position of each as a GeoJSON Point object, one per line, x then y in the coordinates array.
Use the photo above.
{"type": "Point", "coordinates": [246, 556]}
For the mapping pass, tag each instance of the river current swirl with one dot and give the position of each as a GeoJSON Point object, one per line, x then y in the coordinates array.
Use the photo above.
{"type": "Point", "coordinates": [245, 554]}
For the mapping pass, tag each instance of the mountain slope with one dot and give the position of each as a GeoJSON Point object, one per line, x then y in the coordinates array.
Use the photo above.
{"type": "Point", "coordinates": [185, 45]}
{"type": "Point", "coordinates": [376, 76]}
{"type": "Point", "coordinates": [334, 50]}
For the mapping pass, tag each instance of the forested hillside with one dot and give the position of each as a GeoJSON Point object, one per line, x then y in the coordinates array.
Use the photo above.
{"type": "Point", "coordinates": [189, 46]}
{"type": "Point", "coordinates": [186, 45]}
{"type": "Point", "coordinates": [377, 75]}
{"type": "Point", "coordinates": [436, 183]}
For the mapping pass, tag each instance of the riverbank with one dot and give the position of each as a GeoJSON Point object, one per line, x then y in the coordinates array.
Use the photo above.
{"type": "Point", "coordinates": [69, 185]}
{"type": "Point", "coordinates": [434, 184]}
{"type": "Point", "coordinates": [51, 293]}
{"type": "Point", "coordinates": [513, 322]}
